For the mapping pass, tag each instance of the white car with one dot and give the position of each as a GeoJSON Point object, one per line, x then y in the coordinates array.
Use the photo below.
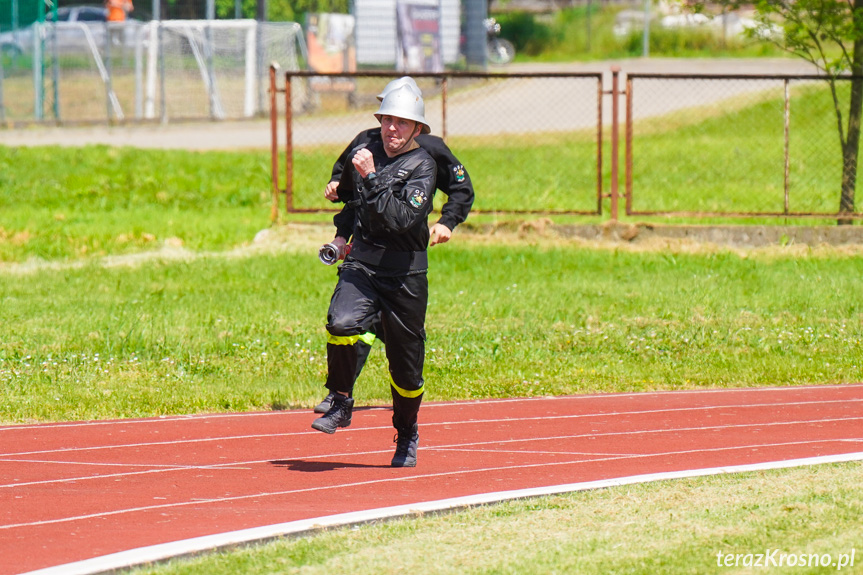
{"type": "Point", "coordinates": [685, 20]}
{"type": "Point", "coordinates": [628, 21]}
{"type": "Point", "coordinates": [78, 28]}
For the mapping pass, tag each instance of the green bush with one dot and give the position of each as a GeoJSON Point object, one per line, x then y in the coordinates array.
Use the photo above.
{"type": "Point", "coordinates": [678, 41]}
{"type": "Point", "coordinates": [526, 34]}
{"type": "Point", "coordinates": [573, 33]}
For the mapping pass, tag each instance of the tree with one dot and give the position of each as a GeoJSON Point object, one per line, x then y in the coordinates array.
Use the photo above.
{"type": "Point", "coordinates": [829, 34]}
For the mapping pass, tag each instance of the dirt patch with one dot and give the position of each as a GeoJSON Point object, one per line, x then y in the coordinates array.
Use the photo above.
{"type": "Point", "coordinates": [742, 236]}
{"type": "Point", "coordinates": [307, 238]}
{"type": "Point", "coordinates": [848, 239]}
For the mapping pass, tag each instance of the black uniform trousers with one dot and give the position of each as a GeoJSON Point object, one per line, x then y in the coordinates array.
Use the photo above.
{"type": "Point", "coordinates": [364, 347]}
{"type": "Point", "coordinates": [360, 300]}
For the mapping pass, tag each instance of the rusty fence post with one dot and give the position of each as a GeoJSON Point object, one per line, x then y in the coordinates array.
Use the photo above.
{"type": "Point", "coordinates": [615, 141]}
{"type": "Point", "coordinates": [629, 128]}
{"type": "Point", "coordinates": [289, 147]}
{"type": "Point", "coordinates": [274, 145]}
{"type": "Point", "coordinates": [443, 98]}
{"type": "Point", "coordinates": [599, 94]}
{"type": "Point", "coordinates": [787, 122]}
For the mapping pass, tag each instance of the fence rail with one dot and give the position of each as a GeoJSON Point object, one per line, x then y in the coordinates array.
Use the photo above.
{"type": "Point", "coordinates": [695, 146]}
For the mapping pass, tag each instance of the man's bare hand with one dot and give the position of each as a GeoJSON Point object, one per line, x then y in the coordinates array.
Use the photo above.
{"type": "Point", "coordinates": [331, 192]}
{"type": "Point", "coordinates": [440, 234]}
{"type": "Point", "coordinates": [364, 162]}
{"type": "Point", "coordinates": [339, 241]}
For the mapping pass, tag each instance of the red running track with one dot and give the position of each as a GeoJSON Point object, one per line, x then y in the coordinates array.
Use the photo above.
{"type": "Point", "coordinates": [87, 496]}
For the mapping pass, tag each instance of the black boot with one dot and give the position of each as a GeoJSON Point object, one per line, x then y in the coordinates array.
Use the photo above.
{"type": "Point", "coordinates": [339, 415]}
{"type": "Point", "coordinates": [325, 405]}
{"type": "Point", "coordinates": [406, 441]}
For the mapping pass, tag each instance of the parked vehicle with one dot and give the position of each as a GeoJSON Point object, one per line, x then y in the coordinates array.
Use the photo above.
{"type": "Point", "coordinates": [498, 50]}
{"type": "Point", "coordinates": [75, 29]}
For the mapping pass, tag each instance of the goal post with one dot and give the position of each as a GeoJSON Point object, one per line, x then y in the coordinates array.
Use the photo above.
{"type": "Point", "coordinates": [90, 70]}
{"type": "Point", "coordinates": [197, 68]}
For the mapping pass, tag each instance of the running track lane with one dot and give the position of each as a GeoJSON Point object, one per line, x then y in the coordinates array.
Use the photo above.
{"type": "Point", "coordinates": [70, 492]}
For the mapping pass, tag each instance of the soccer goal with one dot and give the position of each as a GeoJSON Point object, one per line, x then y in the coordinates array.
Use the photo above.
{"type": "Point", "coordinates": [165, 70]}
{"type": "Point", "coordinates": [215, 68]}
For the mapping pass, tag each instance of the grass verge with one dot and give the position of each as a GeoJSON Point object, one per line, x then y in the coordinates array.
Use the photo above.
{"type": "Point", "coordinates": [508, 316]}
{"type": "Point", "coordinates": [96, 324]}
{"type": "Point", "coordinates": [681, 526]}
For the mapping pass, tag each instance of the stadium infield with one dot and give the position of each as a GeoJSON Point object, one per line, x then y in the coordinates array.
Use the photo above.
{"type": "Point", "coordinates": [90, 497]}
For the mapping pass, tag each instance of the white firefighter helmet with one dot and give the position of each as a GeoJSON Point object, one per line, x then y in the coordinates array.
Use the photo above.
{"type": "Point", "coordinates": [398, 83]}
{"type": "Point", "coordinates": [404, 103]}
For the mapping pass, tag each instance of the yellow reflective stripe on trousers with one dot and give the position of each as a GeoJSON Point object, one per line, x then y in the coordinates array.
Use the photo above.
{"type": "Point", "coordinates": [367, 338]}
{"type": "Point", "coordinates": [342, 339]}
{"type": "Point", "coordinates": [405, 393]}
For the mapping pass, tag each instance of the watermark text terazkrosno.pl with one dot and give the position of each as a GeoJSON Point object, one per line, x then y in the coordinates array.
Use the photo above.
{"type": "Point", "coordinates": [777, 558]}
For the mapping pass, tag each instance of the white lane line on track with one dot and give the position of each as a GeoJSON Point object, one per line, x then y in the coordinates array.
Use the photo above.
{"type": "Point", "coordinates": [546, 464]}
{"type": "Point", "coordinates": [665, 393]}
{"type": "Point", "coordinates": [169, 468]}
{"type": "Point", "coordinates": [663, 430]}
{"type": "Point", "coordinates": [203, 417]}
{"type": "Point", "coordinates": [472, 447]}
{"type": "Point", "coordinates": [172, 442]}
{"type": "Point", "coordinates": [149, 466]}
{"type": "Point", "coordinates": [645, 412]}
{"type": "Point", "coordinates": [431, 405]}
{"type": "Point", "coordinates": [186, 547]}
{"type": "Point", "coordinates": [158, 466]}
{"type": "Point", "coordinates": [600, 457]}
{"type": "Point", "coordinates": [450, 423]}
{"type": "Point", "coordinates": [461, 445]}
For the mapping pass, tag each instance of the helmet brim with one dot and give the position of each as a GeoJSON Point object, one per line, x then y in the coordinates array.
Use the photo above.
{"type": "Point", "coordinates": [425, 128]}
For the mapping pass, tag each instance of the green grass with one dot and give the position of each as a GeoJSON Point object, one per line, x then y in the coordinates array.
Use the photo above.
{"type": "Point", "coordinates": [726, 157]}
{"type": "Point", "coordinates": [666, 527]}
{"type": "Point", "coordinates": [733, 161]}
{"type": "Point", "coordinates": [228, 327]}
{"type": "Point", "coordinates": [66, 203]}
{"type": "Point", "coordinates": [244, 330]}
{"type": "Point", "coordinates": [571, 34]}
{"type": "Point", "coordinates": [128, 201]}
{"type": "Point", "coordinates": [130, 286]}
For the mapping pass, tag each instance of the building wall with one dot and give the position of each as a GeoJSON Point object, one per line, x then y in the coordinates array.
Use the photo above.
{"type": "Point", "coordinates": [376, 31]}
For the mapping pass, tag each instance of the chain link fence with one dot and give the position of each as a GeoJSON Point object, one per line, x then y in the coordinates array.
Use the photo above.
{"type": "Point", "coordinates": [77, 72]}
{"type": "Point", "coordinates": [553, 119]}
{"type": "Point", "coordinates": [741, 146]}
{"type": "Point", "coordinates": [709, 146]}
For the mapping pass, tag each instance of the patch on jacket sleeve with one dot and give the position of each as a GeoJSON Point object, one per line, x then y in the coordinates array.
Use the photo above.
{"type": "Point", "coordinates": [458, 172]}
{"type": "Point", "coordinates": [417, 198]}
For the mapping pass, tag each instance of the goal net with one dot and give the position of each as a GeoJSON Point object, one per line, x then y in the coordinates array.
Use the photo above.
{"type": "Point", "coordinates": [216, 69]}
{"type": "Point", "coordinates": [160, 70]}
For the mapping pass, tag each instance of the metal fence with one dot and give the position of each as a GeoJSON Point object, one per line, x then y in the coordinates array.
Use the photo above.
{"type": "Point", "coordinates": [77, 72]}
{"type": "Point", "coordinates": [765, 146]}
{"type": "Point", "coordinates": [478, 114]}
{"type": "Point", "coordinates": [703, 146]}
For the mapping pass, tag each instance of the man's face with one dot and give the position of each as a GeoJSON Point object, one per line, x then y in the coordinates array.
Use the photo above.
{"type": "Point", "coordinates": [397, 133]}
